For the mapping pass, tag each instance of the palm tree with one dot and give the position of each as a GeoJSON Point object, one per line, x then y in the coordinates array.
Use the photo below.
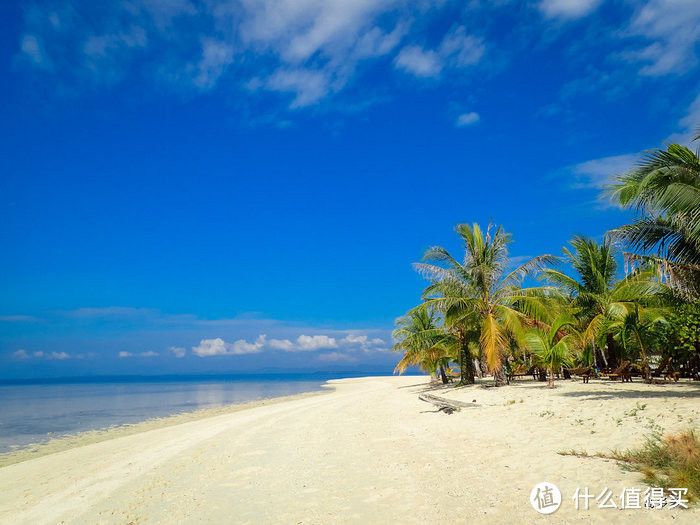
{"type": "Point", "coordinates": [423, 342]}
{"type": "Point", "coordinates": [665, 190]}
{"type": "Point", "coordinates": [599, 297]}
{"type": "Point", "coordinates": [632, 330]}
{"type": "Point", "coordinates": [552, 348]}
{"type": "Point", "coordinates": [479, 299]}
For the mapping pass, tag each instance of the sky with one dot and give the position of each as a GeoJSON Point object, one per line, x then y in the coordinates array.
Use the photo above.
{"type": "Point", "coordinates": [239, 186]}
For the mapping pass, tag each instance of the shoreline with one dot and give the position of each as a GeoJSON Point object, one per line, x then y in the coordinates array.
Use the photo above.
{"type": "Point", "coordinates": [368, 451]}
{"type": "Point", "coordinates": [73, 440]}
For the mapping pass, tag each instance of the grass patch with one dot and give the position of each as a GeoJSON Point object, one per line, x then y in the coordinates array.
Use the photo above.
{"type": "Point", "coordinates": [667, 462]}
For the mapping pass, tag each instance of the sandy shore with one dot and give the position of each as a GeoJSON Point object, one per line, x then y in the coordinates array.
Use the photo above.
{"type": "Point", "coordinates": [370, 452]}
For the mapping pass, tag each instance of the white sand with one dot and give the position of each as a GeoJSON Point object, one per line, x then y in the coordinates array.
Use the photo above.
{"type": "Point", "coordinates": [370, 452]}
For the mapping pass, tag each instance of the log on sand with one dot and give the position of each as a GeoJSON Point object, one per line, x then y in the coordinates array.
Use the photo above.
{"type": "Point", "coordinates": [445, 405]}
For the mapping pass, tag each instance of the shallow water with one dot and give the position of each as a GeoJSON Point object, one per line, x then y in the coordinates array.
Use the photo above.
{"type": "Point", "coordinates": [33, 413]}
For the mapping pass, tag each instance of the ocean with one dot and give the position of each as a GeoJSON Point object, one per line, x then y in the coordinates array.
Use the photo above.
{"type": "Point", "coordinates": [35, 412]}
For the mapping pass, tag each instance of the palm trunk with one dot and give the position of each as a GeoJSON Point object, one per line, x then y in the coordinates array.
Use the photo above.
{"type": "Point", "coordinates": [466, 366]}
{"type": "Point", "coordinates": [612, 357]}
{"type": "Point", "coordinates": [499, 377]}
{"type": "Point", "coordinates": [443, 376]}
{"type": "Point", "coordinates": [477, 369]}
{"type": "Point", "coordinates": [550, 378]}
{"type": "Point", "coordinates": [595, 359]}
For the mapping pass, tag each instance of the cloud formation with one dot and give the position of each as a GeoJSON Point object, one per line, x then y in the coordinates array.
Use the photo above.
{"type": "Point", "coordinates": [315, 342]}
{"type": "Point", "coordinates": [307, 49]}
{"type": "Point", "coordinates": [212, 347]}
{"type": "Point", "coordinates": [303, 343]}
{"type": "Point", "coordinates": [149, 353]}
{"type": "Point", "coordinates": [568, 9]}
{"type": "Point", "coordinates": [178, 352]}
{"type": "Point", "coordinates": [457, 50]}
{"type": "Point", "coordinates": [597, 173]}
{"type": "Point", "coordinates": [672, 32]}
{"type": "Point", "coordinates": [467, 119]}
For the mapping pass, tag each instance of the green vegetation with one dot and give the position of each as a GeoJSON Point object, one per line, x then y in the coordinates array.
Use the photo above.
{"type": "Point", "coordinates": [665, 190]}
{"type": "Point", "coordinates": [673, 461]}
{"type": "Point", "coordinates": [481, 315]}
{"type": "Point", "coordinates": [668, 462]}
{"type": "Point", "coordinates": [551, 349]}
{"type": "Point", "coordinates": [478, 300]}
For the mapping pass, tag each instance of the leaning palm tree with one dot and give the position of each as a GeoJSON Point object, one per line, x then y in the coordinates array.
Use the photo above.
{"type": "Point", "coordinates": [553, 348]}
{"type": "Point", "coordinates": [423, 342]}
{"type": "Point", "coordinates": [665, 190]}
{"type": "Point", "coordinates": [479, 299]}
{"type": "Point", "coordinates": [598, 295]}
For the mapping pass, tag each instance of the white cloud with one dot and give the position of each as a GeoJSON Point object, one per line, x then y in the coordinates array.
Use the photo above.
{"type": "Point", "coordinates": [355, 339]}
{"type": "Point", "coordinates": [467, 119]}
{"type": "Point", "coordinates": [281, 344]}
{"type": "Point", "coordinates": [456, 50]}
{"type": "Point", "coordinates": [351, 342]}
{"type": "Point", "coordinates": [32, 49]}
{"type": "Point", "coordinates": [362, 342]}
{"type": "Point", "coordinates": [212, 347]}
{"type": "Point", "coordinates": [308, 86]}
{"type": "Point", "coordinates": [308, 49]}
{"type": "Point", "coordinates": [315, 342]}
{"type": "Point", "coordinates": [60, 355]}
{"type": "Point", "coordinates": [23, 354]}
{"type": "Point", "coordinates": [672, 28]}
{"type": "Point", "coordinates": [597, 173]}
{"type": "Point", "coordinates": [177, 351]}
{"type": "Point", "coordinates": [209, 347]}
{"type": "Point", "coordinates": [216, 56]}
{"type": "Point", "coordinates": [149, 353]}
{"type": "Point", "coordinates": [460, 49]}
{"type": "Point", "coordinates": [688, 125]}
{"type": "Point", "coordinates": [419, 62]}
{"type": "Point", "coordinates": [299, 30]}
{"type": "Point", "coordinates": [568, 9]}
{"type": "Point", "coordinates": [336, 356]}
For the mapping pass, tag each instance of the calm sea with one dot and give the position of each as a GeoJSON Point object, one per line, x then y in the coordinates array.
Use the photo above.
{"type": "Point", "coordinates": [32, 413]}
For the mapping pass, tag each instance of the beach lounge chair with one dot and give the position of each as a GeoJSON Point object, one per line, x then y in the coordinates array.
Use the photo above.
{"type": "Point", "coordinates": [622, 372]}
{"type": "Point", "coordinates": [584, 372]}
{"type": "Point", "coordinates": [672, 374]}
{"type": "Point", "coordinates": [660, 369]}
{"type": "Point", "coordinates": [518, 371]}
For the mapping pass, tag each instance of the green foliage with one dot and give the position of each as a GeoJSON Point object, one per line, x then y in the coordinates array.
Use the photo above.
{"type": "Point", "coordinates": [479, 299]}
{"type": "Point", "coordinates": [552, 349]}
{"type": "Point", "coordinates": [673, 461]}
{"type": "Point", "coordinates": [665, 190]}
{"type": "Point", "coordinates": [680, 334]}
{"type": "Point", "coordinates": [420, 336]}
{"type": "Point", "coordinates": [603, 303]}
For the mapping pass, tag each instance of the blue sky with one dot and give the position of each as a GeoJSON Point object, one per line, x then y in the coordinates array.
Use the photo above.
{"type": "Point", "coordinates": [229, 186]}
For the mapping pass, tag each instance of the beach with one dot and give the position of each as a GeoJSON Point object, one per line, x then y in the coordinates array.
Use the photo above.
{"type": "Point", "coordinates": [368, 452]}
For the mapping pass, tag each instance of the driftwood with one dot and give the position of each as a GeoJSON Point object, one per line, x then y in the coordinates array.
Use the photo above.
{"type": "Point", "coordinates": [445, 405]}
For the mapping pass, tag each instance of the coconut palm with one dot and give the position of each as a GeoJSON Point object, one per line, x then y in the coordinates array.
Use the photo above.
{"type": "Point", "coordinates": [632, 331]}
{"type": "Point", "coordinates": [552, 347]}
{"type": "Point", "coordinates": [479, 299]}
{"type": "Point", "coordinates": [597, 294]}
{"type": "Point", "coordinates": [423, 342]}
{"type": "Point", "coordinates": [665, 190]}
